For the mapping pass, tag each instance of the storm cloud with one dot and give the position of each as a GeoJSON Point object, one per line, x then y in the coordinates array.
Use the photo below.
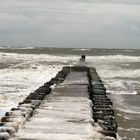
{"type": "Point", "coordinates": [70, 23]}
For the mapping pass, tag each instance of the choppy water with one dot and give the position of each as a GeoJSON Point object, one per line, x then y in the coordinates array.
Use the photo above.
{"type": "Point", "coordinates": [22, 70]}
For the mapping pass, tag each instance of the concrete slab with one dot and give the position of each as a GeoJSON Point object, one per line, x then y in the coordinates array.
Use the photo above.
{"type": "Point", "coordinates": [76, 78]}
{"type": "Point", "coordinates": [66, 113]}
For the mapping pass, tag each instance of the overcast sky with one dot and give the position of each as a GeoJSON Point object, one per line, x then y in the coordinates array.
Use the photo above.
{"type": "Point", "coordinates": [70, 23]}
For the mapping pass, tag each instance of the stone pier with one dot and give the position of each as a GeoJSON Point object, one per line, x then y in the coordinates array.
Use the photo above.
{"type": "Point", "coordinates": [71, 106]}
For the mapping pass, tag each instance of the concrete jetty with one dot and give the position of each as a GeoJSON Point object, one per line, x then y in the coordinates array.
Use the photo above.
{"type": "Point", "coordinates": [71, 106]}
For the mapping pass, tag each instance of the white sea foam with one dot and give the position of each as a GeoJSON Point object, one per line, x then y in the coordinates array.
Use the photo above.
{"type": "Point", "coordinates": [36, 57]}
{"type": "Point", "coordinates": [125, 104]}
{"type": "Point", "coordinates": [5, 135]}
{"type": "Point", "coordinates": [122, 92]}
{"type": "Point", "coordinates": [114, 58]}
{"type": "Point", "coordinates": [128, 50]}
{"type": "Point", "coordinates": [121, 86]}
{"type": "Point", "coordinates": [113, 66]}
{"type": "Point", "coordinates": [112, 72]}
{"type": "Point", "coordinates": [28, 71]}
{"type": "Point", "coordinates": [129, 129]}
{"type": "Point", "coordinates": [82, 49]}
{"type": "Point", "coordinates": [130, 111]}
{"type": "Point", "coordinates": [24, 73]}
{"type": "Point", "coordinates": [17, 82]}
{"type": "Point", "coordinates": [43, 136]}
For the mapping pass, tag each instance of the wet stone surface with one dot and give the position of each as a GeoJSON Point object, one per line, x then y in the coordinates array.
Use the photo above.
{"type": "Point", "coordinates": [67, 111]}
{"type": "Point", "coordinates": [76, 108]}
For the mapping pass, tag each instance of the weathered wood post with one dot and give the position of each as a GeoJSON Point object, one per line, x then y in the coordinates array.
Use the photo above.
{"type": "Point", "coordinates": [83, 58]}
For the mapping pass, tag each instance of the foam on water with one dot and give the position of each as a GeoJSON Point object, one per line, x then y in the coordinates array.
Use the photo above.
{"type": "Point", "coordinates": [121, 86]}
{"type": "Point", "coordinates": [122, 92]}
{"type": "Point", "coordinates": [82, 49]}
{"type": "Point", "coordinates": [110, 73]}
{"type": "Point", "coordinates": [126, 103]}
{"type": "Point", "coordinates": [24, 74]}
{"type": "Point", "coordinates": [16, 84]}
{"type": "Point", "coordinates": [21, 74]}
{"type": "Point", "coordinates": [128, 50]}
{"type": "Point", "coordinates": [127, 110]}
{"type": "Point", "coordinates": [114, 58]}
{"type": "Point", "coordinates": [62, 117]}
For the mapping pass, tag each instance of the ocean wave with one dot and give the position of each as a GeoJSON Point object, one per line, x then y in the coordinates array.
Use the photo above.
{"type": "Point", "coordinates": [128, 50]}
{"type": "Point", "coordinates": [123, 92]}
{"type": "Point", "coordinates": [129, 129]}
{"type": "Point", "coordinates": [126, 73]}
{"type": "Point", "coordinates": [113, 58]}
{"type": "Point", "coordinates": [16, 84]}
{"type": "Point", "coordinates": [129, 111]}
{"type": "Point", "coordinates": [17, 47]}
{"type": "Point", "coordinates": [82, 49]}
{"type": "Point", "coordinates": [23, 73]}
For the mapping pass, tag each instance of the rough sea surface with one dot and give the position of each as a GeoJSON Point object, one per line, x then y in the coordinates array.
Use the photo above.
{"type": "Point", "coordinates": [22, 70]}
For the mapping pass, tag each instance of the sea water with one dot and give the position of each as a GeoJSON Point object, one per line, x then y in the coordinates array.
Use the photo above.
{"type": "Point", "coordinates": [22, 70]}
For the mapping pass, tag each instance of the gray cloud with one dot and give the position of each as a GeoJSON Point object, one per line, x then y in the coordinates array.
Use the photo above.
{"type": "Point", "coordinates": [70, 23]}
{"type": "Point", "coordinates": [110, 1]}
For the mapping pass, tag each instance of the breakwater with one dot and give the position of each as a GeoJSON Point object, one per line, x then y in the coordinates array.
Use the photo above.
{"type": "Point", "coordinates": [69, 103]}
